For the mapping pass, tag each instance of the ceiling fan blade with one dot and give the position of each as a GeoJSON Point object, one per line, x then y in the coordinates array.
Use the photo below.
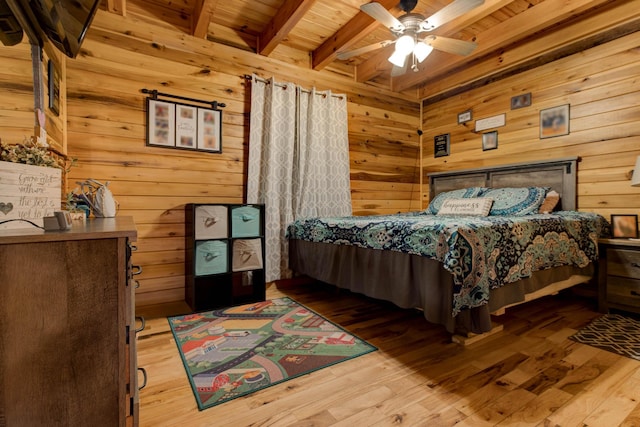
{"type": "Point", "coordinates": [446, 44]}
{"type": "Point", "coordinates": [379, 13]}
{"type": "Point", "coordinates": [448, 13]}
{"type": "Point", "coordinates": [359, 51]}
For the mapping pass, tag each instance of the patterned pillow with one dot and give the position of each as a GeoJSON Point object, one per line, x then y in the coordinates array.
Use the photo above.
{"type": "Point", "coordinates": [515, 201]}
{"type": "Point", "coordinates": [463, 193]}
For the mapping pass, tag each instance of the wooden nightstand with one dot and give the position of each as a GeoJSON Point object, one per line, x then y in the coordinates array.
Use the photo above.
{"type": "Point", "coordinates": [619, 275]}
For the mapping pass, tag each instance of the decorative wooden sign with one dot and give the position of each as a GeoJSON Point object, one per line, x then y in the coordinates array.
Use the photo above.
{"type": "Point", "coordinates": [28, 193]}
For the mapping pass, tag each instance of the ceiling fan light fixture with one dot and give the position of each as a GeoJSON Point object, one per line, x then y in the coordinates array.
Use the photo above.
{"type": "Point", "coordinates": [422, 50]}
{"type": "Point", "coordinates": [405, 44]}
{"type": "Point", "coordinates": [398, 58]}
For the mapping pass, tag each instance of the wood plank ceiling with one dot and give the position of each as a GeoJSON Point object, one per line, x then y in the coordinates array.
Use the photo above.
{"type": "Point", "coordinates": [316, 30]}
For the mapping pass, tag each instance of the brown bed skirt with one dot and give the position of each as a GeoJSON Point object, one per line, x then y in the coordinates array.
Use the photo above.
{"type": "Point", "coordinates": [412, 281]}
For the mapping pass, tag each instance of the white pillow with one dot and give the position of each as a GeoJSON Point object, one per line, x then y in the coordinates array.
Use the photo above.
{"type": "Point", "coordinates": [473, 206]}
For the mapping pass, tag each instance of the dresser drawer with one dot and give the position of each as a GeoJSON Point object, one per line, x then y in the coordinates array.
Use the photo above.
{"type": "Point", "coordinates": [623, 291]}
{"type": "Point", "coordinates": [623, 263]}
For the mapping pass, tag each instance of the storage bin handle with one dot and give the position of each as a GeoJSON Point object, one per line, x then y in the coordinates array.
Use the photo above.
{"type": "Point", "coordinates": [210, 221]}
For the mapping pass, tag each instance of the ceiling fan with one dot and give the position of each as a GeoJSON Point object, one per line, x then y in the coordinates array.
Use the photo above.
{"type": "Point", "coordinates": [410, 31]}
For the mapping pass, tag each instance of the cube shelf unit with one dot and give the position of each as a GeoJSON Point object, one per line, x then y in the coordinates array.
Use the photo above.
{"type": "Point", "coordinates": [224, 255]}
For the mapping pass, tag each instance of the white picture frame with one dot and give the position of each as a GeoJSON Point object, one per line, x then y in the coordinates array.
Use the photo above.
{"type": "Point", "coordinates": [186, 126]}
{"type": "Point", "coordinates": [209, 130]}
{"type": "Point", "coordinates": [161, 117]}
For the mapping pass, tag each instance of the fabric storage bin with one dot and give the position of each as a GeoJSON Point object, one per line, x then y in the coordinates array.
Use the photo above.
{"type": "Point", "coordinates": [247, 254]}
{"type": "Point", "coordinates": [245, 221]}
{"type": "Point", "coordinates": [210, 222]}
{"type": "Point", "coordinates": [211, 257]}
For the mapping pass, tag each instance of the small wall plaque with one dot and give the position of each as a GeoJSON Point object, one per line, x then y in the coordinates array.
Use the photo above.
{"type": "Point", "coordinates": [441, 145]}
{"type": "Point", "coordinates": [491, 122]}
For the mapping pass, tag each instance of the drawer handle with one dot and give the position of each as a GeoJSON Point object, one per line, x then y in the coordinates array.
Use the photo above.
{"type": "Point", "coordinates": [144, 378]}
{"type": "Point", "coordinates": [136, 269]}
{"type": "Point", "coordinates": [136, 284]}
{"type": "Point", "coordinates": [142, 324]}
{"type": "Point", "coordinates": [635, 264]}
{"type": "Point", "coordinates": [133, 247]}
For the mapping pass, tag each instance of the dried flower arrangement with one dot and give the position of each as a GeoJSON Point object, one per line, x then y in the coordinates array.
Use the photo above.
{"type": "Point", "coordinates": [31, 152]}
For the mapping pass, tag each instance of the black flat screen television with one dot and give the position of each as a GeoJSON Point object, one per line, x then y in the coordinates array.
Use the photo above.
{"type": "Point", "coordinates": [63, 22]}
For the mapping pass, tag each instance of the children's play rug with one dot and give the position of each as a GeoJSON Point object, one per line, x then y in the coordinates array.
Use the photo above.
{"type": "Point", "coordinates": [612, 332]}
{"type": "Point", "coordinates": [232, 352]}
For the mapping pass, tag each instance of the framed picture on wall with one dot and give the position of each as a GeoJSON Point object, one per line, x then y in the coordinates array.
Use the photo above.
{"type": "Point", "coordinates": [161, 117]}
{"type": "Point", "coordinates": [186, 126]}
{"type": "Point", "coordinates": [624, 226]}
{"type": "Point", "coordinates": [490, 140]}
{"type": "Point", "coordinates": [209, 130]}
{"type": "Point", "coordinates": [554, 121]}
{"type": "Point", "coordinates": [521, 101]}
{"type": "Point", "coordinates": [465, 116]}
{"type": "Point", "coordinates": [441, 145]}
{"type": "Point", "coordinates": [54, 88]}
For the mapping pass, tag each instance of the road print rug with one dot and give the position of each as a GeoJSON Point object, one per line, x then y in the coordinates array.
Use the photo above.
{"type": "Point", "coordinates": [612, 332]}
{"type": "Point", "coordinates": [235, 351]}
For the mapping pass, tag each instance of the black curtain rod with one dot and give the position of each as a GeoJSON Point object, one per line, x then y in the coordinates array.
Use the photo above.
{"type": "Point", "coordinates": [154, 95]}
{"type": "Point", "coordinates": [284, 86]}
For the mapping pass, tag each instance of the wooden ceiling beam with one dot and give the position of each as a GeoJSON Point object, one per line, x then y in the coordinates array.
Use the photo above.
{"type": "Point", "coordinates": [202, 12]}
{"type": "Point", "coordinates": [352, 32]}
{"type": "Point", "coordinates": [289, 14]}
{"type": "Point", "coordinates": [521, 26]}
{"type": "Point", "coordinates": [378, 63]}
{"type": "Point", "coordinates": [618, 21]}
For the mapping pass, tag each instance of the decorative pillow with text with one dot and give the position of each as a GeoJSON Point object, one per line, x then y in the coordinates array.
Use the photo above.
{"type": "Point", "coordinates": [473, 207]}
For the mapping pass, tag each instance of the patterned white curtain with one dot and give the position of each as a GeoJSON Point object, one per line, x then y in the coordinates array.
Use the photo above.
{"type": "Point", "coordinates": [298, 161]}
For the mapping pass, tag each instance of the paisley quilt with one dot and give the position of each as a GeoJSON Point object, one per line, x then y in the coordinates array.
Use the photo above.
{"type": "Point", "coordinates": [481, 253]}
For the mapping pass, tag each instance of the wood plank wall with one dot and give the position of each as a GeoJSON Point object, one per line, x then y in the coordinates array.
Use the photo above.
{"type": "Point", "coordinates": [106, 132]}
{"type": "Point", "coordinates": [17, 118]}
{"type": "Point", "coordinates": [602, 86]}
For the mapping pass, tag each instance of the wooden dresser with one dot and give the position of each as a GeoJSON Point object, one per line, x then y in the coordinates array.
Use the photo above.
{"type": "Point", "coordinates": [67, 334]}
{"type": "Point", "coordinates": [619, 275]}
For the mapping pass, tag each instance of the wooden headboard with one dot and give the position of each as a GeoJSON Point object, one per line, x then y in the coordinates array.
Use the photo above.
{"type": "Point", "coordinates": [559, 174]}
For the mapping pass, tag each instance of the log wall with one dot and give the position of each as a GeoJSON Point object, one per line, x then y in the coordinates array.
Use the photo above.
{"type": "Point", "coordinates": [107, 128]}
{"type": "Point", "coordinates": [602, 87]}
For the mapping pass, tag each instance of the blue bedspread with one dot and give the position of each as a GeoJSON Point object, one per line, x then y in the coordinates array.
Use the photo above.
{"type": "Point", "coordinates": [481, 253]}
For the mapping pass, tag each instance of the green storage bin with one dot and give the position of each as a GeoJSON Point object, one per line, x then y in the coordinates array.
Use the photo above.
{"type": "Point", "coordinates": [211, 257]}
{"type": "Point", "coordinates": [245, 221]}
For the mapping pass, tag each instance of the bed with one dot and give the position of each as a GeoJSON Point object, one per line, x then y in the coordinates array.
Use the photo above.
{"type": "Point", "coordinates": [459, 270]}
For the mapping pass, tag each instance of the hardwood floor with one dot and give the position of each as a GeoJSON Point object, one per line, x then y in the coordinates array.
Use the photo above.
{"type": "Point", "coordinates": [530, 374]}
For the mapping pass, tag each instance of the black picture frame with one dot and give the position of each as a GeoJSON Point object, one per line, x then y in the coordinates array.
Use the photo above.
{"type": "Point", "coordinates": [624, 226]}
{"type": "Point", "coordinates": [441, 145]}
{"type": "Point", "coordinates": [490, 140]}
{"type": "Point", "coordinates": [183, 126]}
{"type": "Point", "coordinates": [53, 76]}
{"type": "Point", "coordinates": [521, 101]}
